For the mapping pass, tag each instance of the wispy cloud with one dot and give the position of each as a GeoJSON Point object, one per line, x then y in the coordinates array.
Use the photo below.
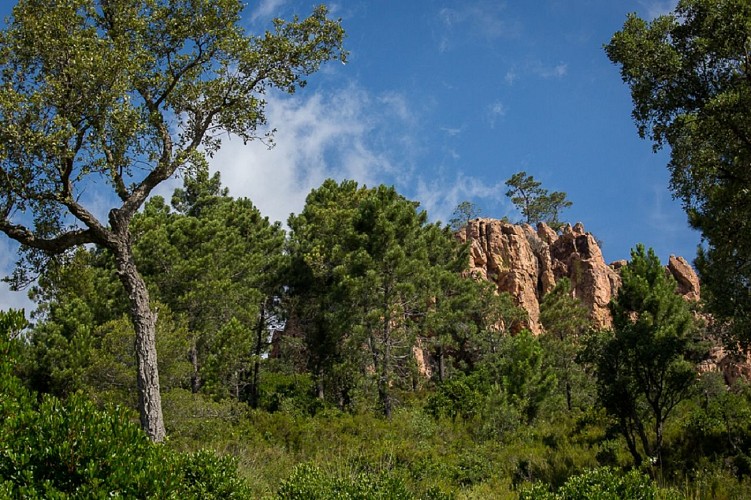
{"type": "Point", "coordinates": [266, 9]}
{"type": "Point", "coordinates": [548, 71]}
{"type": "Point", "coordinates": [472, 20]}
{"type": "Point", "coordinates": [656, 8]}
{"type": "Point", "coordinates": [350, 135]}
{"type": "Point", "coordinates": [661, 218]}
{"type": "Point", "coordinates": [536, 68]}
{"type": "Point", "coordinates": [440, 196]}
{"type": "Point", "coordinates": [495, 111]}
{"type": "Point", "coordinates": [451, 131]}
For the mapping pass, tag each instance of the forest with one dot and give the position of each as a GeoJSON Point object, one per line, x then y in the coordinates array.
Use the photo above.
{"type": "Point", "coordinates": [193, 348]}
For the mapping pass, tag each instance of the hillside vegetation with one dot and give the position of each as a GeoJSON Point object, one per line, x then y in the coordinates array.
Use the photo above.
{"type": "Point", "coordinates": [293, 357]}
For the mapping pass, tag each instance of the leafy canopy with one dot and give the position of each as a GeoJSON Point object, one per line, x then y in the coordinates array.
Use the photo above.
{"type": "Point", "coordinates": [690, 82]}
{"type": "Point", "coordinates": [535, 202]}
{"type": "Point", "coordinates": [643, 370]}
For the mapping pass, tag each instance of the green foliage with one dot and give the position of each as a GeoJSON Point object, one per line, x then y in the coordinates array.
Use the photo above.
{"type": "Point", "coordinates": [217, 262]}
{"type": "Point", "coordinates": [308, 482]}
{"type": "Point", "coordinates": [566, 320]}
{"type": "Point", "coordinates": [122, 96]}
{"type": "Point", "coordinates": [642, 370]}
{"type": "Point", "coordinates": [50, 448]}
{"type": "Point", "coordinates": [366, 266]}
{"type": "Point", "coordinates": [717, 429]}
{"type": "Point", "coordinates": [534, 202]}
{"type": "Point", "coordinates": [463, 213]}
{"type": "Point", "coordinates": [690, 84]}
{"type": "Point", "coordinates": [71, 448]}
{"type": "Point", "coordinates": [520, 371]}
{"type": "Point", "coordinates": [461, 396]}
{"type": "Point", "coordinates": [215, 277]}
{"type": "Point", "coordinates": [507, 390]}
{"type": "Point", "coordinates": [604, 483]}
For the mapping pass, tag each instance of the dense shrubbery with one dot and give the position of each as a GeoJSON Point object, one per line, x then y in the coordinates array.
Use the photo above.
{"type": "Point", "coordinates": [309, 482]}
{"type": "Point", "coordinates": [50, 448]}
{"type": "Point", "coordinates": [603, 484]}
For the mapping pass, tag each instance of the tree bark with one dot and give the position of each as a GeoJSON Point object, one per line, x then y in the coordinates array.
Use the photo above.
{"type": "Point", "coordinates": [144, 323]}
{"type": "Point", "coordinates": [441, 365]}
{"type": "Point", "coordinates": [257, 350]}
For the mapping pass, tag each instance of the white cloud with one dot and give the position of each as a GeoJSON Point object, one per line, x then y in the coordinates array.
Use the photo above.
{"type": "Point", "coordinates": [451, 131]}
{"type": "Point", "coordinates": [266, 9]}
{"type": "Point", "coordinates": [494, 112]}
{"type": "Point", "coordinates": [348, 134]}
{"type": "Point", "coordinates": [547, 71]}
{"type": "Point", "coordinates": [8, 298]}
{"type": "Point", "coordinates": [479, 19]}
{"type": "Point", "coordinates": [441, 196]}
{"type": "Point", "coordinates": [536, 68]}
{"type": "Point", "coordinates": [656, 8]}
{"type": "Point", "coordinates": [661, 218]}
{"type": "Point", "coordinates": [398, 105]}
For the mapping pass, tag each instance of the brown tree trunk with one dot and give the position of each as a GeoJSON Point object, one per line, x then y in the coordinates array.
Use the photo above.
{"type": "Point", "coordinates": [144, 323]}
{"type": "Point", "coordinates": [195, 378]}
{"type": "Point", "coordinates": [441, 365]}
{"type": "Point", "coordinates": [258, 349]}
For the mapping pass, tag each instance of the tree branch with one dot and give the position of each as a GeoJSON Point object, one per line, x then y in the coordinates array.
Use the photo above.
{"type": "Point", "coordinates": [55, 245]}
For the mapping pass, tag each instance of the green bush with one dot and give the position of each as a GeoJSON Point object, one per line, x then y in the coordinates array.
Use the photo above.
{"type": "Point", "coordinates": [456, 397]}
{"type": "Point", "coordinates": [50, 448]}
{"type": "Point", "coordinates": [604, 483]}
{"type": "Point", "coordinates": [308, 482]}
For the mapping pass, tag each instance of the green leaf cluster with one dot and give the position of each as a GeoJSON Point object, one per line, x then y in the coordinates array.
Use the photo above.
{"type": "Point", "coordinates": [535, 202]}
{"type": "Point", "coordinates": [53, 448]}
{"type": "Point", "coordinates": [690, 83]}
{"type": "Point", "coordinates": [643, 370]}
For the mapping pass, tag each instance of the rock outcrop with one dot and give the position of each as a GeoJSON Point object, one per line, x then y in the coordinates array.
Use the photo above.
{"type": "Point", "coordinates": [527, 263]}
{"type": "Point", "coordinates": [684, 274]}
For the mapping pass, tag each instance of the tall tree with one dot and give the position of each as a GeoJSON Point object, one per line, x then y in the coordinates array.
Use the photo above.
{"type": "Point", "coordinates": [366, 272]}
{"type": "Point", "coordinates": [215, 277]}
{"type": "Point", "coordinates": [320, 238]}
{"type": "Point", "coordinates": [690, 78]}
{"type": "Point", "coordinates": [217, 261]}
{"type": "Point", "coordinates": [463, 213]}
{"type": "Point", "coordinates": [535, 202]}
{"type": "Point", "coordinates": [125, 93]}
{"type": "Point", "coordinates": [565, 319]}
{"type": "Point", "coordinates": [642, 370]}
{"type": "Point", "coordinates": [389, 280]}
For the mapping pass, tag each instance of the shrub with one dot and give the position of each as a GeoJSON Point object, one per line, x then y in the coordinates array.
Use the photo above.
{"type": "Point", "coordinates": [308, 482]}
{"type": "Point", "coordinates": [604, 483]}
{"type": "Point", "coordinates": [50, 448]}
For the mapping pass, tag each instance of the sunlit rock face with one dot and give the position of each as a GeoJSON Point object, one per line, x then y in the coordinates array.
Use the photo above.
{"type": "Point", "coordinates": [528, 262]}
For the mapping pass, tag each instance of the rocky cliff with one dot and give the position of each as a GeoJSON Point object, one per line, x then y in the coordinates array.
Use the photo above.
{"type": "Point", "coordinates": [527, 262]}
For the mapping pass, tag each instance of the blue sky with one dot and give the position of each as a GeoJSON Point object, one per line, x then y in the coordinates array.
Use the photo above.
{"type": "Point", "coordinates": [447, 100]}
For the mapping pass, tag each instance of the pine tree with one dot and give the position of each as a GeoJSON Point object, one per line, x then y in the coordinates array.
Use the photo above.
{"type": "Point", "coordinates": [642, 371]}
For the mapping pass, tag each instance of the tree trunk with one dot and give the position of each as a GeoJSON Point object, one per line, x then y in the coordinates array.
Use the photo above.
{"type": "Point", "coordinates": [195, 378]}
{"type": "Point", "coordinates": [441, 365]}
{"type": "Point", "coordinates": [627, 431]}
{"type": "Point", "coordinates": [144, 323]}
{"type": "Point", "coordinates": [257, 350]}
{"type": "Point", "coordinates": [384, 379]}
